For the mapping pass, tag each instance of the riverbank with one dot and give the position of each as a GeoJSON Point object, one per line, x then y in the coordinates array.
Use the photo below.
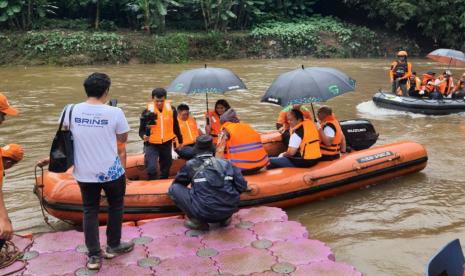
{"type": "Point", "coordinates": [320, 37]}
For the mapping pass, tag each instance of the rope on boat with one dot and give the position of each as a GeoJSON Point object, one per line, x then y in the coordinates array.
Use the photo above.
{"type": "Point", "coordinates": [444, 100]}
{"type": "Point", "coordinates": [40, 188]}
{"type": "Point", "coordinates": [10, 254]}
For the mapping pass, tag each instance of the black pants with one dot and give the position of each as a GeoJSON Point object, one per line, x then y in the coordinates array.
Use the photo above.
{"type": "Point", "coordinates": [2, 243]}
{"type": "Point", "coordinates": [399, 83]}
{"type": "Point", "coordinates": [114, 191]}
{"type": "Point", "coordinates": [155, 153]}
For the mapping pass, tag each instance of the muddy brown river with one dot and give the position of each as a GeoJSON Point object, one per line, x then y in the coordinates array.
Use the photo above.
{"type": "Point", "coordinates": [387, 229]}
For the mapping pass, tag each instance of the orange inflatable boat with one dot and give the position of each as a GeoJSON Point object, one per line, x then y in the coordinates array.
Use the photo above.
{"type": "Point", "coordinates": [60, 195]}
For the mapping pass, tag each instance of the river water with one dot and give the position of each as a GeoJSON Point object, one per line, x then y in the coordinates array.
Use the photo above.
{"type": "Point", "coordinates": [387, 229]}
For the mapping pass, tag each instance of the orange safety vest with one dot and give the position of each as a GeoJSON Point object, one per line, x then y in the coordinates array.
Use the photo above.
{"type": "Point", "coordinates": [427, 78]}
{"type": "Point", "coordinates": [189, 130]}
{"type": "Point", "coordinates": [417, 83]}
{"type": "Point", "coordinates": [163, 130]}
{"type": "Point", "coordinates": [445, 86]}
{"type": "Point", "coordinates": [335, 147]}
{"type": "Point", "coordinates": [400, 70]}
{"type": "Point", "coordinates": [244, 147]}
{"type": "Point", "coordinates": [282, 117]}
{"type": "Point", "coordinates": [310, 146]}
{"type": "Point", "coordinates": [215, 124]}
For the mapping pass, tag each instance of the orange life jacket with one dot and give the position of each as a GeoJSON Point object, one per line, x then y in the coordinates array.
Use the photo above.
{"type": "Point", "coordinates": [282, 117]}
{"type": "Point", "coordinates": [427, 78]}
{"type": "Point", "coordinates": [335, 147]}
{"type": "Point", "coordinates": [215, 124]}
{"type": "Point", "coordinates": [416, 83]}
{"type": "Point", "coordinates": [310, 146]}
{"type": "Point", "coordinates": [400, 70]}
{"type": "Point", "coordinates": [445, 86]}
{"type": "Point", "coordinates": [244, 147]}
{"type": "Point", "coordinates": [163, 130]}
{"type": "Point", "coordinates": [189, 130]}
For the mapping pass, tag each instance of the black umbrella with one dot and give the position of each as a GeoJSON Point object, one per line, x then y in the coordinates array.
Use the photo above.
{"type": "Point", "coordinates": [206, 80]}
{"type": "Point", "coordinates": [308, 85]}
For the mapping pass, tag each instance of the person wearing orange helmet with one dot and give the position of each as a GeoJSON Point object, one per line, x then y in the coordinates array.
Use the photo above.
{"type": "Point", "coordinates": [400, 73]}
{"type": "Point", "coordinates": [6, 229]}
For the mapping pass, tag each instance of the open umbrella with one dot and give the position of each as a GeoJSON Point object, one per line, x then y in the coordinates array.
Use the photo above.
{"type": "Point", "coordinates": [206, 80]}
{"type": "Point", "coordinates": [308, 85]}
{"type": "Point", "coordinates": [449, 56]}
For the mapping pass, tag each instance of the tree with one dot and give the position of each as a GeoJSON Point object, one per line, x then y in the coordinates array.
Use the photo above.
{"type": "Point", "coordinates": [21, 13]}
{"type": "Point", "coordinates": [152, 12]}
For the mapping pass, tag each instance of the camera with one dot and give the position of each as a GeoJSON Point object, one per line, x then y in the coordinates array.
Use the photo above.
{"type": "Point", "coordinates": [150, 119]}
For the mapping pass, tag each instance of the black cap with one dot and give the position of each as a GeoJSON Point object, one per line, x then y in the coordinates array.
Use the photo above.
{"type": "Point", "coordinates": [204, 143]}
{"type": "Point", "coordinates": [430, 72]}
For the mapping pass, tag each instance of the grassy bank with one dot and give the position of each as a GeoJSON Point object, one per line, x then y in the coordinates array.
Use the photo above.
{"type": "Point", "coordinates": [324, 37]}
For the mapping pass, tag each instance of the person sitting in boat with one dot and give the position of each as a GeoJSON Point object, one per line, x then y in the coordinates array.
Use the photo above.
{"type": "Point", "coordinates": [459, 82]}
{"type": "Point", "coordinates": [215, 190]}
{"type": "Point", "coordinates": [427, 81]}
{"type": "Point", "coordinates": [445, 84]}
{"type": "Point", "coordinates": [460, 92]}
{"type": "Point", "coordinates": [283, 126]}
{"type": "Point", "coordinates": [433, 91]}
{"type": "Point", "coordinates": [212, 118]}
{"type": "Point", "coordinates": [332, 139]}
{"type": "Point", "coordinates": [304, 145]}
{"type": "Point", "coordinates": [158, 128]}
{"type": "Point", "coordinates": [399, 73]}
{"type": "Point", "coordinates": [189, 131]}
{"type": "Point", "coordinates": [241, 144]}
{"type": "Point", "coordinates": [414, 85]}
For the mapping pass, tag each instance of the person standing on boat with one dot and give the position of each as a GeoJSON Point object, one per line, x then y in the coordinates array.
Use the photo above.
{"type": "Point", "coordinates": [400, 73]}
{"type": "Point", "coordinates": [189, 131]}
{"type": "Point", "coordinates": [332, 139]}
{"type": "Point", "coordinates": [283, 126]}
{"type": "Point", "coordinates": [97, 128]}
{"type": "Point", "coordinates": [158, 128]}
{"type": "Point", "coordinates": [212, 118]}
{"type": "Point", "coordinates": [414, 85]}
{"type": "Point", "coordinates": [304, 145]}
{"type": "Point", "coordinates": [241, 144]}
{"type": "Point", "coordinates": [6, 229]}
{"type": "Point", "coordinates": [215, 189]}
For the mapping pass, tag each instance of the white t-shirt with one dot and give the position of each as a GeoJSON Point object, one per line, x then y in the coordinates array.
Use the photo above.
{"type": "Point", "coordinates": [294, 141]}
{"type": "Point", "coordinates": [94, 128]}
{"type": "Point", "coordinates": [329, 131]}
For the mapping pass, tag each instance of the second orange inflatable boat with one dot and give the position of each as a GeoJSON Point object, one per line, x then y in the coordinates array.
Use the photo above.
{"type": "Point", "coordinates": [60, 195]}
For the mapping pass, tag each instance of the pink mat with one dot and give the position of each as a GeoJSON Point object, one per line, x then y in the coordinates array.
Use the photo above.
{"type": "Point", "coordinates": [260, 241]}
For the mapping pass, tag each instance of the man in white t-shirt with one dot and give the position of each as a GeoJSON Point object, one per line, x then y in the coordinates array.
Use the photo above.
{"type": "Point", "coordinates": [98, 164]}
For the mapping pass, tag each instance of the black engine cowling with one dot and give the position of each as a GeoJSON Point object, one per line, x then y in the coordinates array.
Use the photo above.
{"type": "Point", "coordinates": [360, 134]}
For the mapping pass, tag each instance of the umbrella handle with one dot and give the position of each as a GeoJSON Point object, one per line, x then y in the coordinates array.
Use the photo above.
{"type": "Point", "coordinates": [313, 111]}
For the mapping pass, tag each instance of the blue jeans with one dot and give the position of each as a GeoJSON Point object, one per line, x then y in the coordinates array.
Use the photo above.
{"type": "Point", "coordinates": [114, 191]}
{"type": "Point", "coordinates": [280, 162]}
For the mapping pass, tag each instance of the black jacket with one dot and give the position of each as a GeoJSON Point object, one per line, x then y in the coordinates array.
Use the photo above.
{"type": "Point", "coordinates": [216, 186]}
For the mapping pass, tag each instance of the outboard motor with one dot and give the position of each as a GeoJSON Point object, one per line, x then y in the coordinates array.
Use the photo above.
{"type": "Point", "coordinates": [360, 134]}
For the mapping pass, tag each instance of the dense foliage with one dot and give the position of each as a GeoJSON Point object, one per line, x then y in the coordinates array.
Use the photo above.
{"type": "Point", "coordinates": [442, 22]}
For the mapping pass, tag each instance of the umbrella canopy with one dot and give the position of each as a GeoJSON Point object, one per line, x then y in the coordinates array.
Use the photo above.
{"type": "Point", "coordinates": [449, 56]}
{"type": "Point", "coordinates": [206, 80]}
{"type": "Point", "coordinates": [308, 85]}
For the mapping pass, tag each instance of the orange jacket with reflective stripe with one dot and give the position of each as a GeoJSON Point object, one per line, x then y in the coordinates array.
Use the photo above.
{"type": "Point", "coordinates": [310, 146]}
{"type": "Point", "coordinates": [282, 118]}
{"type": "Point", "coordinates": [163, 130]}
{"type": "Point", "coordinates": [244, 147]}
{"type": "Point", "coordinates": [394, 70]}
{"type": "Point", "coordinates": [335, 147]}
{"type": "Point", "coordinates": [445, 85]}
{"type": "Point", "coordinates": [189, 130]}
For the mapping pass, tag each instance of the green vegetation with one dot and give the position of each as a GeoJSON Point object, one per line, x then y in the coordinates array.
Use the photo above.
{"type": "Point", "coordinates": [147, 31]}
